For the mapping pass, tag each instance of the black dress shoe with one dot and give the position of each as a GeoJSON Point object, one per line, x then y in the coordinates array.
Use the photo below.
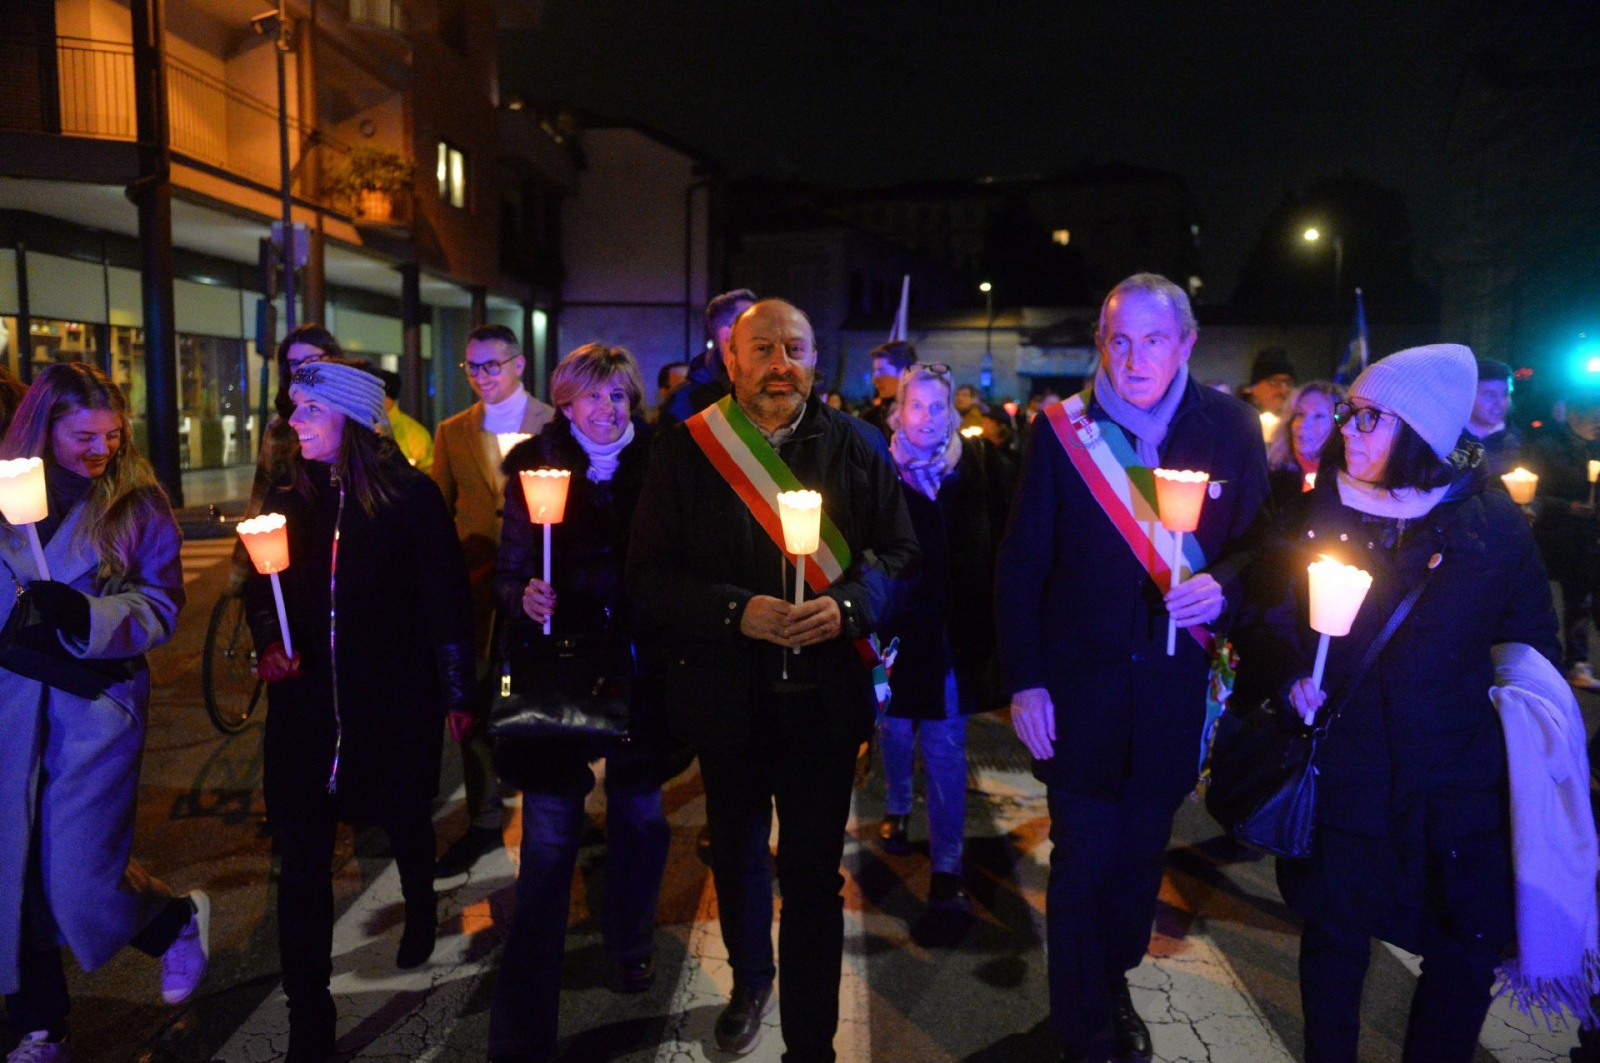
{"type": "Point", "coordinates": [739, 1025]}
{"type": "Point", "coordinates": [946, 893]}
{"type": "Point", "coordinates": [417, 940]}
{"type": "Point", "coordinates": [893, 833]}
{"type": "Point", "coordinates": [1129, 1033]}
{"type": "Point", "coordinates": [312, 1025]}
{"type": "Point", "coordinates": [633, 977]}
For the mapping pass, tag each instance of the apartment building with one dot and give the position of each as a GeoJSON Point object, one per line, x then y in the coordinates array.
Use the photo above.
{"type": "Point", "coordinates": [382, 95]}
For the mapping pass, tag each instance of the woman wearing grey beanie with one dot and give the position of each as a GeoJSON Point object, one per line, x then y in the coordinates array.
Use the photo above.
{"type": "Point", "coordinates": [378, 612]}
{"type": "Point", "coordinates": [1412, 840]}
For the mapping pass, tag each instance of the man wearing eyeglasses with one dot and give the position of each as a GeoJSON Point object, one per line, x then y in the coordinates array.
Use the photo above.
{"type": "Point", "coordinates": [466, 466]}
{"type": "Point", "coordinates": [1114, 719]}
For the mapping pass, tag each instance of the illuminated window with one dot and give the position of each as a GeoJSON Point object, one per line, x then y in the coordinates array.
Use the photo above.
{"type": "Point", "coordinates": [452, 174]}
{"type": "Point", "coordinates": [1062, 237]}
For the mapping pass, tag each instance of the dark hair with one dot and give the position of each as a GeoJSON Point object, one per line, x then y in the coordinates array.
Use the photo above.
{"type": "Point", "coordinates": [312, 335]}
{"type": "Point", "coordinates": [366, 460]}
{"type": "Point", "coordinates": [1492, 369]}
{"type": "Point", "coordinates": [495, 332]}
{"type": "Point", "coordinates": [1412, 462]}
{"type": "Point", "coordinates": [391, 382]}
{"type": "Point", "coordinates": [723, 309]}
{"type": "Point", "coordinates": [898, 353]}
{"type": "Point", "coordinates": [664, 374]}
{"type": "Point", "coordinates": [12, 391]}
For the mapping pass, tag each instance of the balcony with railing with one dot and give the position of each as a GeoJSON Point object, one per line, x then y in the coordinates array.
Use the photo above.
{"type": "Point", "coordinates": [210, 122]}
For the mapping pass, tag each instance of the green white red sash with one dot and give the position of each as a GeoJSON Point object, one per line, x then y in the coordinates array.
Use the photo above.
{"type": "Point", "coordinates": [1125, 490]}
{"type": "Point", "coordinates": [738, 450]}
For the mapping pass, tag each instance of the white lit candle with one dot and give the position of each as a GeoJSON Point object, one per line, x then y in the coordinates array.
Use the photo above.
{"type": "Point", "coordinates": [507, 440]}
{"type": "Point", "coordinates": [972, 431]}
{"type": "Point", "coordinates": [1337, 592]}
{"type": "Point", "coordinates": [266, 539]}
{"type": "Point", "coordinates": [1311, 481]}
{"type": "Point", "coordinates": [545, 491]}
{"type": "Point", "coordinates": [1269, 424]}
{"type": "Point", "coordinates": [801, 514]}
{"type": "Point", "coordinates": [1178, 497]}
{"type": "Point", "coordinates": [1522, 484]}
{"type": "Point", "coordinates": [1594, 474]}
{"type": "Point", "coordinates": [24, 502]}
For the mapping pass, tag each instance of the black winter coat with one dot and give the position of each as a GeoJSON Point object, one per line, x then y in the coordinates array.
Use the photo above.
{"type": "Point", "coordinates": [1079, 616]}
{"type": "Point", "coordinates": [1411, 776]}
{"type": "Point", "coordinates": [948, 619]}
{"type": "Point", "coordinates": [589, 550]}
{"type": "Point", "coordinates": [404, 629]}
{"type": "Point", "coordinates": [1566, 539]}
{"type": "Point", "coordinates": [697, 557]}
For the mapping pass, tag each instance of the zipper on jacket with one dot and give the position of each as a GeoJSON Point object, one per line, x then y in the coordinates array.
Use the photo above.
{"type": "Point", "coordinates": [333, 634]}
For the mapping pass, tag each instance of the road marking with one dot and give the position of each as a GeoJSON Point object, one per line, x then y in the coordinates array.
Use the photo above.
{"type": "Point", "coordinates": [199, 556]}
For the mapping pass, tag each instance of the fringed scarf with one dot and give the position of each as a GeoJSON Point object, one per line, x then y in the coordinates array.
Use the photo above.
{"type": "Point", "coordinates": [925, 470]}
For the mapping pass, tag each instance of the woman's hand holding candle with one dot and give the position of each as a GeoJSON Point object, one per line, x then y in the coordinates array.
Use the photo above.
{"type": "Point", "coordinates": [539, 601]}
{"type": "Point", "coordinates": [275, 665]}
{"type": "Point", "coordinates": [1307, 698]}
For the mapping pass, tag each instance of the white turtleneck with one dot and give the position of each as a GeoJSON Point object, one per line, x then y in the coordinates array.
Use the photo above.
{"type": "Point", "coordinates": [506, 415]}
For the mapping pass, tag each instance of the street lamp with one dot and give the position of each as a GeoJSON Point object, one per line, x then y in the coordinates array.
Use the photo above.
{"type": "Point", "coordinates": [986, 375]}
{"type": "Point", "coordinates": [1313, 235]}
{"type": "Point", "coordinates": [277, 25]}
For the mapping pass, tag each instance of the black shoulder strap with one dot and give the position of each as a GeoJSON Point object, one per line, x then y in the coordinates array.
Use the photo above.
{"type": "Point", "coordinates": [1374, 648]}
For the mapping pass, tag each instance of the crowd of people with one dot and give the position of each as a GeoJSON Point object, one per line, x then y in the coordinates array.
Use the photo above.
{"type": "Point", "coordinates": [668, 588]}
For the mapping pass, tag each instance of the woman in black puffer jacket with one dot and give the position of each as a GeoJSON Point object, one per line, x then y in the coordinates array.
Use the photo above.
{"type": "Point", "coordinates": [605, 447]}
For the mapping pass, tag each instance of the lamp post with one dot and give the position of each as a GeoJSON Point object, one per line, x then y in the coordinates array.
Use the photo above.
{"type": "Point", "coordinates": [986, 375]}
{"type": "Point", "coordinates": [1313, 235]}
{"type": "Point", "coordinates": [277, 24]}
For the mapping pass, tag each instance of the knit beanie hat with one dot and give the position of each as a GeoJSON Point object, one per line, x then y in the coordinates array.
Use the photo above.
{"type": "Point", "coordinates": [1271, 361]}
{"type": "Point", "coordinates": [1432, 388]}
{"type": "Point", "coordinates": [353, 391]}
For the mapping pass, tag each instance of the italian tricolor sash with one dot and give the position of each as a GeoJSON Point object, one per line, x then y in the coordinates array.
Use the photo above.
{"type": "Point", "coordinates": [1125, 490]}
{"type": "Point", "coordinates": [738, 450]}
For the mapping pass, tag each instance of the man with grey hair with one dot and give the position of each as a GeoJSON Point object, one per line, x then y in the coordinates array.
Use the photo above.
{"type": "Point", "coordinates": [1112, 717]}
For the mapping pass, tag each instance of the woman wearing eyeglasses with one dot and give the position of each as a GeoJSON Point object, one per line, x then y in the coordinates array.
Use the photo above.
{"type": "Point", "coordinates": [1412, 837]}
{"type": "Point", "coordinates": [1296, 445]}
{"type": "Point", "coordinates": [957, 491]}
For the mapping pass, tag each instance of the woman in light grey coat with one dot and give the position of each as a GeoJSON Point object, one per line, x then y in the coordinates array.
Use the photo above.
{"type": "Point", "coordinates": [74, 727]}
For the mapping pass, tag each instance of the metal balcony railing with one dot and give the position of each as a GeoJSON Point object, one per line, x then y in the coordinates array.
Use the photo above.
{"type": "Point", "coordinates": [95, 86]}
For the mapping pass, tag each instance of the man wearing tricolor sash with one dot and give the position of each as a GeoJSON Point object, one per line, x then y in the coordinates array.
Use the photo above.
{"type": "Point", "coordinates": [1084, 597]}
{"type": "Point", "coordinates": [776, 697]}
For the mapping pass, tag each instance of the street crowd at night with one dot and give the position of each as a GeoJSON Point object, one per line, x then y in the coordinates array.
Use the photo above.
{"type": "Point", "coordinates": [1324, 606]}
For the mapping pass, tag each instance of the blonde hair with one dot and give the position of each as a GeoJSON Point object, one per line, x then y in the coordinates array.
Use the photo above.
{"type": "Point", "coordinates": [918, 371]}
{"type": "Point", "coordinates": [593, 366]}
{"type": "Point", "coordinates": [1280, 448]}
{"type": "Point", "coordinates": [122, 498]}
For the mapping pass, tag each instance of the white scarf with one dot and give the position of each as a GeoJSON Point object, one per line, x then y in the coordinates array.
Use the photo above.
{"type": "Point", "coordinates": [1407, 503]}
{"type": "Point", "coordinates": [603, 457]}
{"type": "Point", "coordinates": [1554, 854]}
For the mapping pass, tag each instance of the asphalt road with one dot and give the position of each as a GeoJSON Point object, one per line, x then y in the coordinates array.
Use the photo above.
{"type": "Point", "coordinates": [1220, 984]}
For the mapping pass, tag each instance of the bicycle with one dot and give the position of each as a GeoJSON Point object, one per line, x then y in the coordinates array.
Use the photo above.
{"type": "Point", "coordinates": [228, 680]}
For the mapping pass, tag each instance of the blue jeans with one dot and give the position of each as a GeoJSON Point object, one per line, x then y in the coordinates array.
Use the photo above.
{"type": "Point", "coordinates": [944, 762]}
{"type": "Point", "coordinates": [527, 992]}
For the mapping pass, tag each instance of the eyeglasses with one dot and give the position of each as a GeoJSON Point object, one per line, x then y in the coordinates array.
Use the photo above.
{"type": "Point", "coordinates": [486, 368]}
{"type": "Point", "coordinates": [1366, 418]}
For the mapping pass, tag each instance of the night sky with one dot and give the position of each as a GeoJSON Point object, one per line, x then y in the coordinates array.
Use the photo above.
{"type": "Point", "coordinates": [1245, 101]}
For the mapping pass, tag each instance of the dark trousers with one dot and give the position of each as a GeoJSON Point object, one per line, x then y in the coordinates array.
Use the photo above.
{"type": "Point", "coordinates": [1447, 1010]}
{"type": "Point", "coordinates": [1105, 873]}
{"type": "Point", "coordinates": [527, 992]}
{"type": "Point", "coordinates": [305, 889]}
{"type": "Point", "coordinates": [1578, 608]}
{"type": "Point", "coordinates": [801, 760]}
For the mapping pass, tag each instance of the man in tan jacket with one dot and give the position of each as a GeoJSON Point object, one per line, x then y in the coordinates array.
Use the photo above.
{"type": "Point", "coordinates": [466, 466]}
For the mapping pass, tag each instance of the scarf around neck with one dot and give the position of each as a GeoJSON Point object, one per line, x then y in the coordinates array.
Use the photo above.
{"type": "Point", "coordinates": [924, 471]}
{"type": "Point", "coordinates": [603, 457]}
{"type": "Point", "coordinates": [1407, 503]}
{"type": "Point", "coordinates": [1147, 427]}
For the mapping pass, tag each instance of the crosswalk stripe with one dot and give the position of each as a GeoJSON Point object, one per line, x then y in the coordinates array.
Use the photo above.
{"type": "Point", "coordinates": [200, 556]}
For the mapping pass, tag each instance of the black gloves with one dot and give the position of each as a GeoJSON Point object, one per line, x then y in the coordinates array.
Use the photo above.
{"type": "Point", "coordinates": [65, 607]}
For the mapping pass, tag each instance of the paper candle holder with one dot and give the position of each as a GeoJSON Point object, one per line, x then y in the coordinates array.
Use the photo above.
{"type": "Point", "coordinates": [1594, 469]}
{"type": "Point", "coordinates": [1522, 484]}
{"type": "Point", "coordinates": [508, 440]}
{"type": "Point", "coordinates": [1178, 497]}
{"type": "Point", "coordinates": [1269, 424]}
{"type": "Point", "coordinates": [22, 494]}
{"type": "Point", "coordinates": [546, 493]}
{"type": "Point", "coordinates": [1337, 591]}
{"type": "Point", "coordinates": [266, 538]}
{"type": "Point", "coordinates": [801, 514]}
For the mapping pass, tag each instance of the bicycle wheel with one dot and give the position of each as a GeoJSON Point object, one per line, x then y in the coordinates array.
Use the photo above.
{"type": "Point", "coordinates": [228, 669]}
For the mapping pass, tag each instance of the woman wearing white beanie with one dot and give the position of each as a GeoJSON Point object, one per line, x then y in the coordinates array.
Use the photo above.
{"type": "Point", "coordinates": [1412, 841]}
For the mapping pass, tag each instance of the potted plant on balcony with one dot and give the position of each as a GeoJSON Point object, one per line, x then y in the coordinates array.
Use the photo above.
{"type": "Point", "coordinates": [371, 178]}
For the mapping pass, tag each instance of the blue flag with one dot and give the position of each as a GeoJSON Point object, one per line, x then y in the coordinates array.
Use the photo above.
{"type": "Point", "coordinates": [1356, 353]}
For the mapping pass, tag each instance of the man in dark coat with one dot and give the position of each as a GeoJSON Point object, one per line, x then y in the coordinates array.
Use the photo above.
{"type": "Point", "coordinates": [776, 697]}
{"type": "Point", "coordinates": [708, 375]}
{"type": "Point", "coordinates": [1113, 721]}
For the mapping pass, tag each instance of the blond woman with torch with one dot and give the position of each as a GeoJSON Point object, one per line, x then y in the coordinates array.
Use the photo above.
{"type": "Point", "coordinates": [376, 605]}
{"type": "Point", "coordinates": [105, 587]}
{"type": "Point", "coordinates": [1413, 835]}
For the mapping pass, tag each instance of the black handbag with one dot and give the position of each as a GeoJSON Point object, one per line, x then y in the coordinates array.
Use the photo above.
{"type": "Point", "coordinates": [30, 646]}
{"type": "Point", "coordinates": [1263, 763]}
{"type": "Point", "coordinates": [565, 687]}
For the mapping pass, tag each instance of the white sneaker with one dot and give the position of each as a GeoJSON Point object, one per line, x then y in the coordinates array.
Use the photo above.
{"type": "Point", "coordinates": [38, 1048]}
{"type": "Point", "coordinates": [184, 962]}
{"type": "Point", "coordinates": [1581, 677]}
